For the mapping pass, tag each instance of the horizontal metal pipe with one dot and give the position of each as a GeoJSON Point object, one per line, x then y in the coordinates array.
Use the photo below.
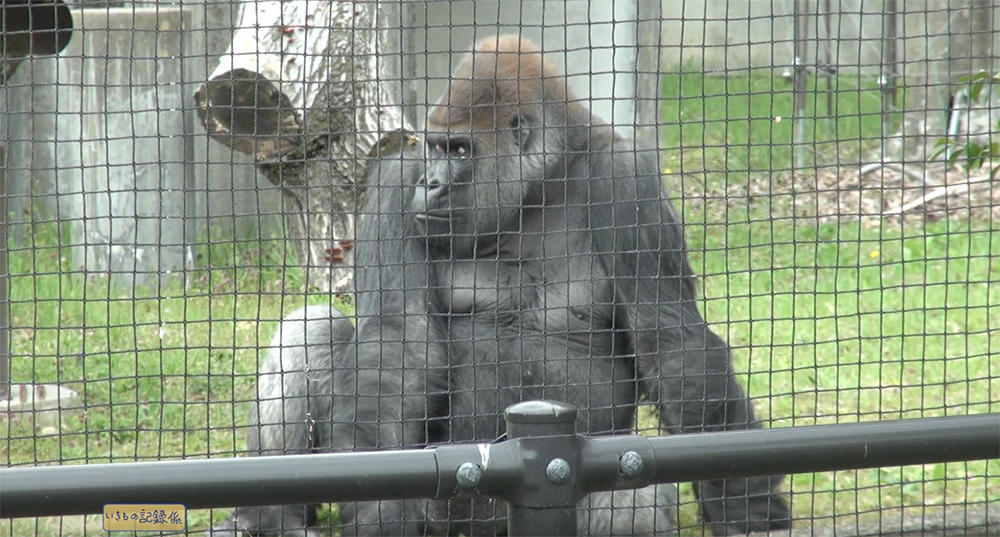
{"type": "Point", "coordinates": [821, 448]}
{"type": "Point", "coordinates": [72, 490]}
{"type": "Point", "coordinates": [66, 490]}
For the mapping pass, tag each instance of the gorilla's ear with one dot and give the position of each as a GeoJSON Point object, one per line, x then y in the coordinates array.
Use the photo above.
{"type": "Point", "coordinates": [520, 126]}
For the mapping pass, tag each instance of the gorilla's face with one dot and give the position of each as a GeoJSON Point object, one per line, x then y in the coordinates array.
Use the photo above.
{"type": "Point", "coordinates": [494, 136]}
{"type": "Point", "coordinates": [474, 186]}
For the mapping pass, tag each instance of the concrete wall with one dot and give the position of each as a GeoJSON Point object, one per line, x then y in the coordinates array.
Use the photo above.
{"type": "Point", "coordinates": [94, 141]}
{"type": "Point", "coordinates": [103, 139]}
{"type": "Point", "coordinates": [940, 39]}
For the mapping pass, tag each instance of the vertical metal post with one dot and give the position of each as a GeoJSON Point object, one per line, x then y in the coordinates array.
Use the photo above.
{"type": "Point", "coordinates": [545, 502]}
{"type": "Point", "coordinates": [888, 78]}
{"type": "Point", "coordinates": [830, 69]}
{"type": "Point", "coordinates": [800, 17]}
{"type": "Point", "coordinates": [4, 283]}
{"type": "Point", "coordinates": [889, 55]}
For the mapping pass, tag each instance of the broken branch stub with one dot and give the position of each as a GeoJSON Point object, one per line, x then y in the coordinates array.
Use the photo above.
{"type": "Point", "coordinates": [247, 112]}
{"type": "Point", "coordinates": [266, 96]}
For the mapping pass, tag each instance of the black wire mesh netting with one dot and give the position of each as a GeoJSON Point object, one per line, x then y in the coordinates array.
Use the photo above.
{"type": "Point", "coordinates": [279, 228]}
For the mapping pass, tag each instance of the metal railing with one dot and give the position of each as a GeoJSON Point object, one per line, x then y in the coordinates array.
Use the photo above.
{"type": "Point", "coordinates": [542, 470]}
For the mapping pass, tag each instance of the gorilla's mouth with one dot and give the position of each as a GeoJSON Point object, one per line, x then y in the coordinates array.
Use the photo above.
{"type": "Point", "coordinates": [436, 216]}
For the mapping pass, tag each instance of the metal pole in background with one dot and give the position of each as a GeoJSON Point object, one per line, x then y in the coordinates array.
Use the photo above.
{"type": "Point", "coordinates": [888, 78]}
{"type": "Point", "coordinates": [4, 283]}
{"type": "Point", "coordinates": [889, 55]}
{"type": "Point", "coordinates": [829, 69]}
{"type": "Point", "coordinates": [800, 16]}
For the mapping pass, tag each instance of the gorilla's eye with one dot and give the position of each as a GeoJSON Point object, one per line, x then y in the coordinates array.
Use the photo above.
{"type": "Point", "coordinates": [520, 125]}
{"type": "Point", "coordinates": [459, 148]}
{"type": "Point", "coordinates": [451, 147]}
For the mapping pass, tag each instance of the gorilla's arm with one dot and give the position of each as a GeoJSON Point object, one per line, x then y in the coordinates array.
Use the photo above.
{"type": "Point", "coordinates": [384, 375]}
{"type": "Point", "coordinates": [383, 394]}
{"type": "Point", "coordinates": [680, 362]}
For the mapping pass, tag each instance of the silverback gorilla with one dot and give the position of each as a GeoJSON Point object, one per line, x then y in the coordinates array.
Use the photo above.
{"type": "Point", "coordinates": [525, 251]}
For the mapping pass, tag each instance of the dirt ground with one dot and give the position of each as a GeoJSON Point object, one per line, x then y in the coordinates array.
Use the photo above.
{"type": "Point", "coordinates": [877, 194]}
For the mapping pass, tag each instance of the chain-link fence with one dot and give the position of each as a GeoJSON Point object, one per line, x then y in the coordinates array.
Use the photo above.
{"type": "Point", "coordinates": [306, 227]}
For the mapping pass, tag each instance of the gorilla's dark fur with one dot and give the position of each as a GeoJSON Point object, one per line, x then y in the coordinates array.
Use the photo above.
{"type": "Point", "coordinates": [527, 251]}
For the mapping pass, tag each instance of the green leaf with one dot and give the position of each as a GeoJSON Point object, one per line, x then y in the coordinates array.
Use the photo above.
{"type": "Point", "coordinates": [955, 156]}
{"type": "Point", "coordinates": [979, 75]}
{"type": "Point", "coordinates": [975, 91]}
{"type": "Point", "coordinates": [977, 81]}
{"type": "Point", "coordinates": [942, 146]}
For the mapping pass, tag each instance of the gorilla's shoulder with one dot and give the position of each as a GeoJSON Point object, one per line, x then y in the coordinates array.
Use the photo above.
{"type": "Point", "coordinates": [613, 154]}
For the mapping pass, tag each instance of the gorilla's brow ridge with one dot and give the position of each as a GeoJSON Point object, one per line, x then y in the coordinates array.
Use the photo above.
{"type": "Point", "coordinates": [503, 74]}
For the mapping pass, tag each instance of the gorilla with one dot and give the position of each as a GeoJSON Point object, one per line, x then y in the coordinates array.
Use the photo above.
{"type": "Point", "coordinates": [525, 250]}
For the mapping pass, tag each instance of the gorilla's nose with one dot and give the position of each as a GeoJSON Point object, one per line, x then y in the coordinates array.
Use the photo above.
{"type": "Point", "coordinates": [434, 185]}
{"type": "Point", "coordinates": [431, 199]}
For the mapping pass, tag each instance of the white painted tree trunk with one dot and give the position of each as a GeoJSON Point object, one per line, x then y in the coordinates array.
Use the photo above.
{"type": "Point", "coordinates": [305, 89]}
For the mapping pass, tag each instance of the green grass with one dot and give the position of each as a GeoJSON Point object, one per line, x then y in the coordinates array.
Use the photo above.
{"type": "Point", "coordinates": [828, 323]}
{"type": "Point", "coordinates": [164, 373]}
{"type": "Point", "coordinates": [744, 122]}
{"type": "Point", "coordinates": [839, 324]}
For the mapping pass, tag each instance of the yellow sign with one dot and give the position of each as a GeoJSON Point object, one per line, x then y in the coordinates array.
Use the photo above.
{"type": "Point", "coordinates": [144, 517]}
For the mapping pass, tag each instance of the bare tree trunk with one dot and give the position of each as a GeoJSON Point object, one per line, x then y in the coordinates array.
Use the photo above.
{"type": "Point", "coordinates": [306, 89]}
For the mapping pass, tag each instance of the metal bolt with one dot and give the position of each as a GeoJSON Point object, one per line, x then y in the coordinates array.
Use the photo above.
{"type": "Point", "coordinates": [630, 464]}
{"type": "Point", "coordinates": [468, 475]}
{"type": "Point", "coordinates": [557, 472]}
